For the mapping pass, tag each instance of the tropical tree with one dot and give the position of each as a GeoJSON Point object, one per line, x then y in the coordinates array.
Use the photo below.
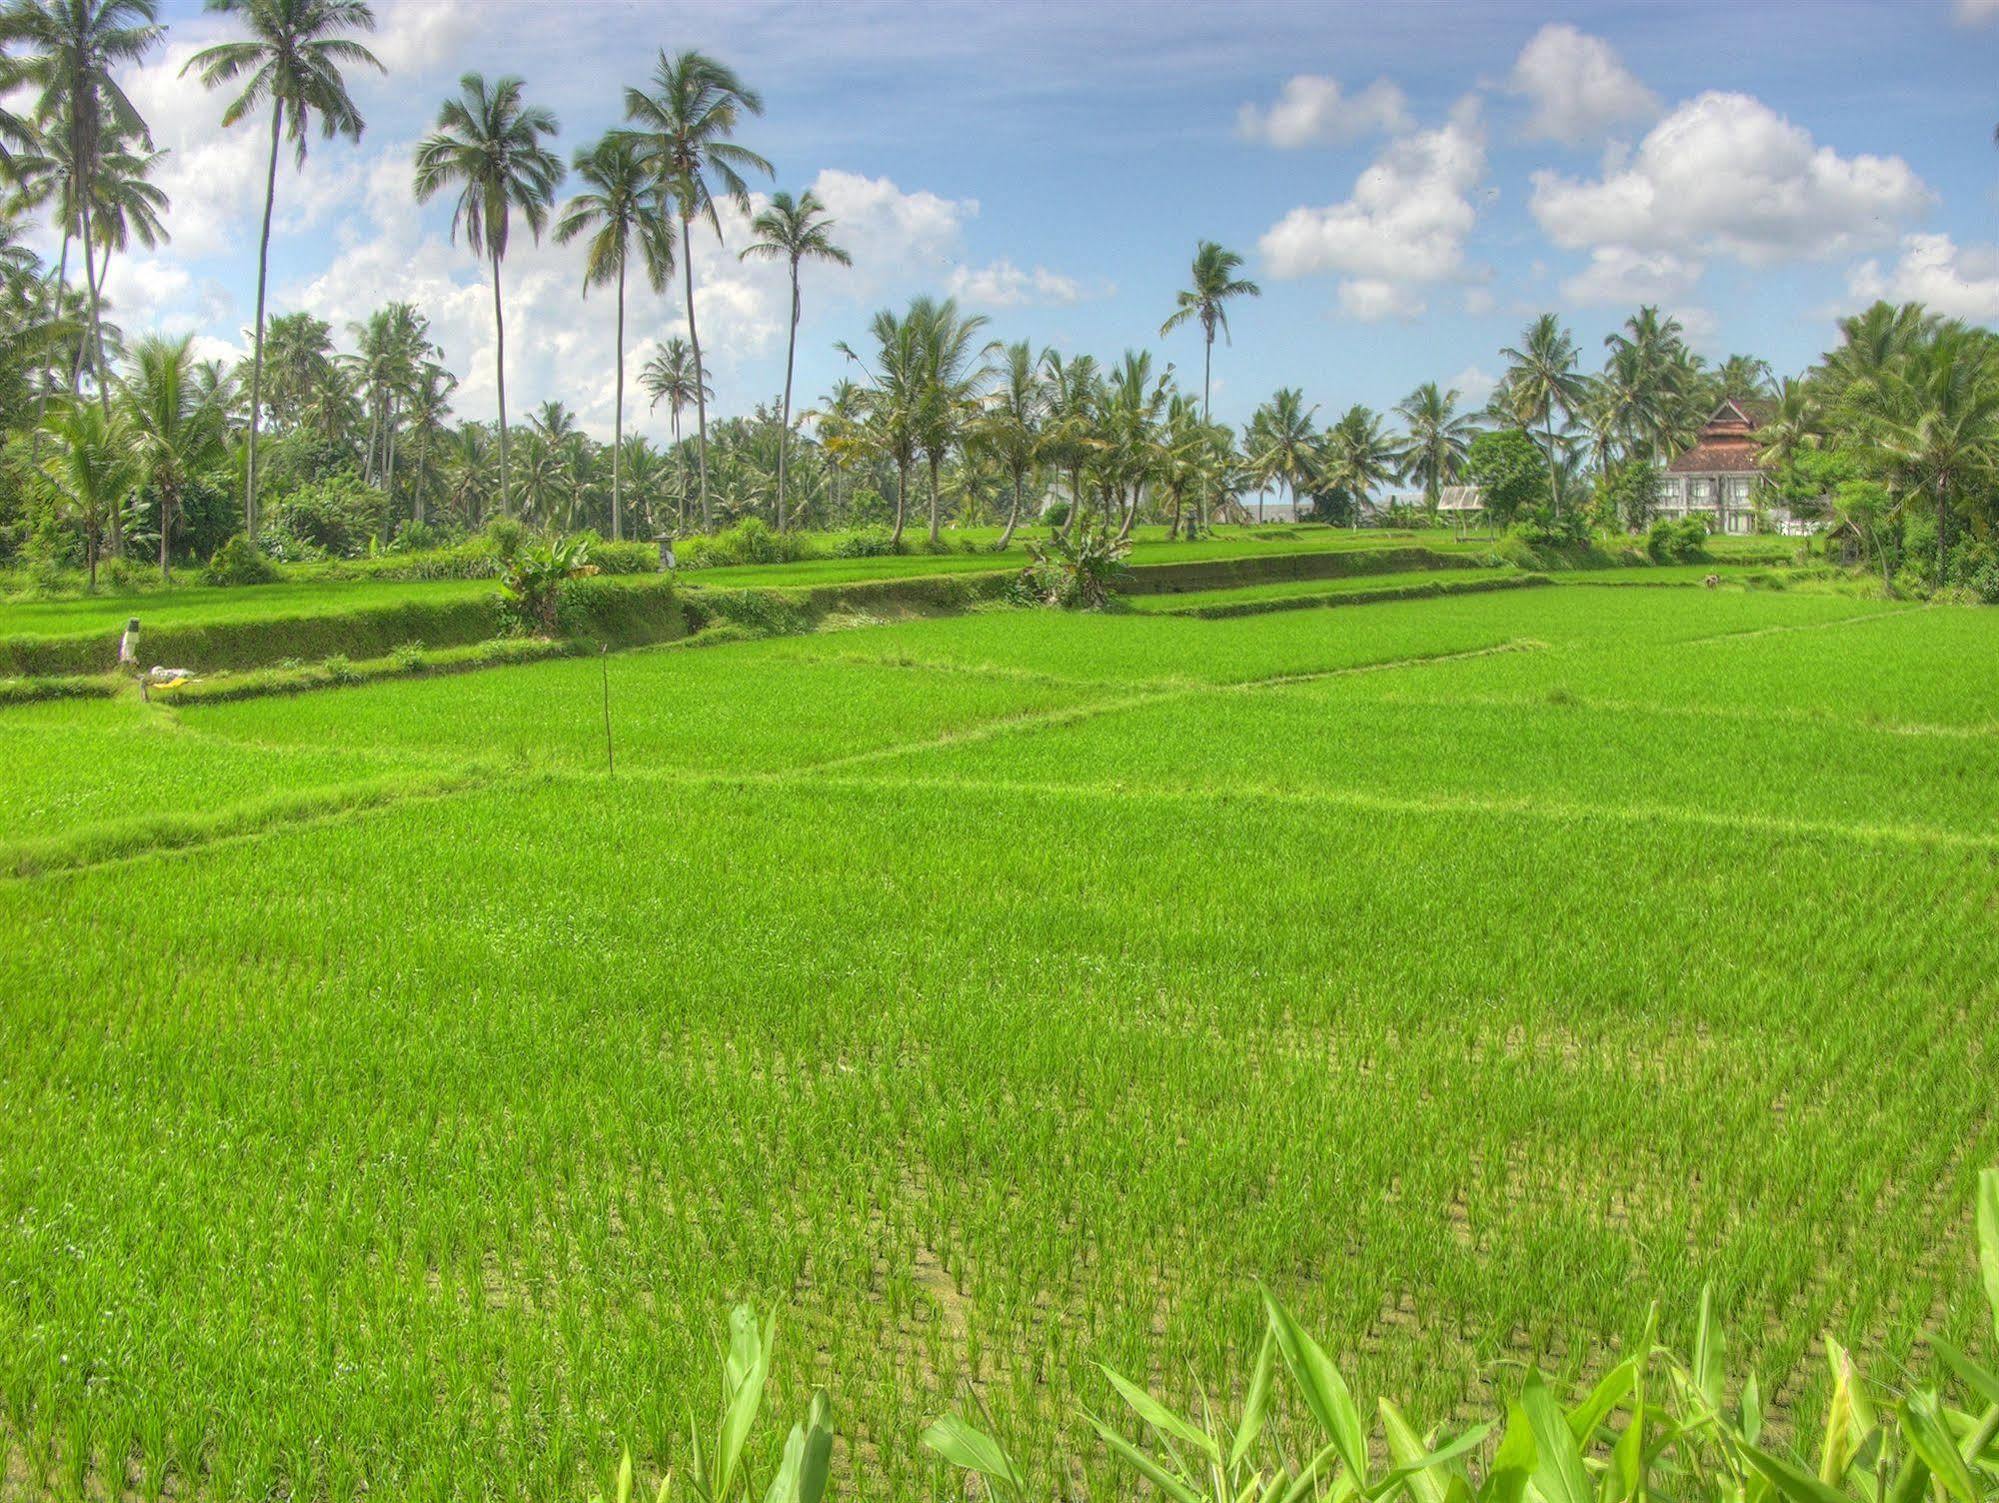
{"type": "Point", "coordinates": [1281, 444]}
{"type": "Point", "coordinates": [682, 129]}
{"type": "Point", "coordinates": [891, 405]}
{"type": "Point", "coordinates": [298, 357]}
{"type": "Point", "coordinates": [1357, 455]}
{"type": "Point", "coordinates": [1069, 437]}
{"type": "Point", "coordinates": [177, 437]}
{"type": "Point", "coordinates": [619, 209]}
{"type": "Point", "coordinates": [488, 144]}
{"type": "Point", "coordinates": [1009, 430]}
{"type": "Point", "coordinates": [292, 60]}
{"type": "Point", "coordinates": [1438, 438]}
{"type": "Point", "coordinates": [1542, 377]}
{"type": "Point", "coordinates": [952, 374]}
{"type": "Point", "coordinates": [67, 53]}
{"type": "Point", "coordinates": [1212, 285]}
{"type": "Point", "coordinates": [89, 471]}
{"type": "Point", "coordinates": [792, 232]}
{"type": "Point", "coordinates": [673, 376]}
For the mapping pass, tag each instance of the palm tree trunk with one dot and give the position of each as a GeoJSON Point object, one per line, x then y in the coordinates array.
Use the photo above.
{"type": "Point", "coordinates": [257, 351]}
{"type": "Point", "coordinates": [784, 433]}
{"type": "Point", "coordinates": [389, 457]}
{"type": "Point", "coordinates": [618, 423]}
{"type": "Point", "coordinates": [901, 493]}
{"type": "Point", "coordinates": [103, 375]}
{"type": "Point", "coordinates": [500, 367]}
{"type": "Point", "coordinates": [934, 462]}
{"type": "Point", "coordinates": [1207, 381]}
{"type": "Point", "coordinates": [1554, 495]}
{"type": "Point", "coordinates": [42, 402]}
{"type": "Point", "coordinates": [700, 376]}
{"type": "Point", "coordinates": [1012, 517]}
{"type": "Point", "coordinates": [166, 524]}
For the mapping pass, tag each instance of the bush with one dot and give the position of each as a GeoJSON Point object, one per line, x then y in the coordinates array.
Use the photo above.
{"type": "Point", "coordinates": [625, 558]}
{"type": "Point", "coordinates": [1510, 471]}
{"type": "Point", "coordinates": [1627, 495]}
{"type": "Point", "coordinates": [1078, 575]}
{"type": "Point", "coordinates": [337, 517]}
{"type": "Point", "coordinates": [1055, 513]}
{"type": "Point", "coordinates": [237, 562]}
{"type": "Point", "coordinates": [873, 542]}
{"type": "Point", "coordinates": [531, 587]}
{"type": "Point", "coordinates": [1681, 542]}
{"type": "Point", "coordinates": [750, 541]}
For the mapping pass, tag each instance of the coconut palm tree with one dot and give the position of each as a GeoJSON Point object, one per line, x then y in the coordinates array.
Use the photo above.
{"type": "Point", "coordinates": [67, 53]}
{"type": "Point", "coordinates": [792, 232]}
{"type": "Point", "coordinates": [488, 144]}
{"type": "Point", "coordinates": [1438, 438]}
{"type": "Point", "coordinates": [1069, 436]}
{"type": "Point", "coordinates": [682, 128]}
{"type": "Point", "coordinates": [1213, 284]}
{"type": "Point", "coordinates": [1281, 445]}
{"type": "Point", "coordinates": [292, 60]}
{"type": "Point", "coordinates": [952, 376]}
{"type": "Point", "coordinates": [673, 377]}
{"type": "Point", "coordinates": [1357, 455]}
{"type": "Point", "coordinates": [1542, 376]}
{"type": "Point", "coordinates": [1009, 430]}
{"type": "Point", "coordinates": [176, 436]}
{"type": "Point", "coordinates": [469, 465]}
{"type": "Point", "coordinates": [891, 404]}
{"type": "Point", "coordinates": [89, 471]}
{"type": "Point", "coordinates": [1932, 420]}
{"type": "Point", "coordinates": [619, 209]}
{"type": "Point", "coordinates": [129, 206]}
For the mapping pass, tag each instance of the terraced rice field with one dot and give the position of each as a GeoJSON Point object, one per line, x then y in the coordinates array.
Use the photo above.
{"type": "Point", "coordinates": [396, 1098]}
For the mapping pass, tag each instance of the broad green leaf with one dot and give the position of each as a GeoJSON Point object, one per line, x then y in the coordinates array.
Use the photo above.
{"type": "Point", "coordinates": [963, 1445]}
{"type": "Point", "coordinates": [1588, 1415]}
{"type": "Point", "coordinates": [1324, 1390]}
{"type": "Point", "coordinates": [1559, 1474]}
{"type": "Point", "coordinates": [1752, 1410]}
{"type": "Point", "coordinates": [1795, 1483]}
{"type": "Point", "coordinates": [1985, 1384]}
{"type": "Point", "coordinates": [1837, 1445]}
{"type": "Point", "coordinates": [1932, 1441]}
{"type": "Point", "coordinates": [1173, 1486]}
{"type": "Point", "coordinates": [1256, 1403]}
{"type": "Point", "coordinates": [1405, 1453]}
{"type": "Point", "coordinates": [748, 1367]}
{"type": "Point", "coordinates": [1707, 1367]}
{"type": "Point", "coordinates": [1988, 1239]}
{"type": "Point", "coordinates": [817, 1463]}
{"type": "Point", "coordinates": [623, 1492]}
{"type": "Point", "coordinates": [1513, 1465]}
{"type": "Point", "coordinates": [1159, 1416]}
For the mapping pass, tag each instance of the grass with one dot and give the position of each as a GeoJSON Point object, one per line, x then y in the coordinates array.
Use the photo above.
{"type": "Point", "coordinates": [991, 995]}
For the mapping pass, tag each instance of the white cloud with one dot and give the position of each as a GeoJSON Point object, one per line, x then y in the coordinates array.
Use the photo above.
{"type": "Point", "coordinates": [559, 345]}
{"type": "Point", "coordinates": [1001, 284]}
{"type": "Point", "coordinates": [1311, 110]}
{"type": "Point", "coordinates": [1472, 385]}
{"type": "Point", "coordinates": [1958, 282]}
{"type": "Point", "coordinates": [1618, 275]}
{"type": "Point", "coordinates": [1724, 174]}
{"type": "Point", "coordinates": [1404, 227]}
{"type": "Point", "coordinates": [1577, 86]}
{"type": "Point", "coordinates": [1479, 301]}
{"type": "Point", "coordinates": [1977, 12]}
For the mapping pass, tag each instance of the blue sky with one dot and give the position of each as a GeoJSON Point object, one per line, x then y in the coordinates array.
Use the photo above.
{"type": "Point", "coordinates": [1409, 181]}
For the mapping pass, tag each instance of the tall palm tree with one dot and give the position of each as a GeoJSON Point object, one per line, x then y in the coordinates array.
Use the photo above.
{"type": "Point", "coordinates": [176, 435]}
{"type": "Point", "coordinates": [1010, 428]}
{"type": "Point", "coordinates": [1357, 455]}
{"type": "Point", "coordinates": [952, 376]}
{"type": "Point", "coordinates": [1281, 444]}
{"type": "Point", "coordinates": [793, 232]}
{"type": "Point", "coordinates": [488, 143]}
{"type": "Point", "coordinates": [682, 128]}
{"type": "Point", "coordinates": [89, 471]}
{"type": "Point", "coordinates": [1933, 421]}
{"type": "Point", "coordinates": [1069, 435]}
{"type": "Point", "coordinates": [67, 53]}
{"type": "Point", "coordinates": [620, 207]}
{"type": "Point", "coordinates": [1213, 283]}
{"type": "Point", "coordinates": [891, 405]}
{"type": "Point", "coordinates": [127, 205]}
{"type": "Point", "coordinates": [292, 59]}
{"type": "Point", "coordinates": [673, 376]}
{"type": "Point", "coordinates": [1438, 438]}
{"type": "Point", "coordinates": [1542, 376]}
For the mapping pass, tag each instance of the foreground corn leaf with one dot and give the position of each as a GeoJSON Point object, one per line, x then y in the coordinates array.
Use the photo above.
{"type": "Point", "coordinates": [1325, 1392]}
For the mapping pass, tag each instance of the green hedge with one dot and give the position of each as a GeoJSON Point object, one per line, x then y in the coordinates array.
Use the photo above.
{"type": "Point", "coordinates": [1224, 573]}
{"type": "Point", "coordinates": [1227, 610]}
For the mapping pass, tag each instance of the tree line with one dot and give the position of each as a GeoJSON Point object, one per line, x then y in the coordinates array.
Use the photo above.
{"type": "Point", "coordinates": [324, 442]}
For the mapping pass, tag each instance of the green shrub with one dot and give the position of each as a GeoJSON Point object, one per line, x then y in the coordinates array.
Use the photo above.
{"type": "Point", "coordinates": [1681, 542]}
{"type": "Point", "coordinates": [750, 541]}
{"type": "Point", "coordinates": [1079, 574]}
{"type": "Point", "coordinates": [531, 586]}
{"type": "Point", "coordinates": [625, 558]}
{"type": "Point", "coordinates": [336, 517]}
{"type": "Point", "coordinates": [237, 562]}
{"type": "Point", "coordinates": [872, 542]}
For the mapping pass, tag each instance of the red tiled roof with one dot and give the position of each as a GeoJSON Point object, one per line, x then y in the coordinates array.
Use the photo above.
{"type": "Point", "coordinates": [1716, 459]}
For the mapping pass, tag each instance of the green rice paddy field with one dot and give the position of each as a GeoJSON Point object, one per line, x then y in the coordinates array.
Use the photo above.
{"type": "Point", "coordinates": [393, 1101]}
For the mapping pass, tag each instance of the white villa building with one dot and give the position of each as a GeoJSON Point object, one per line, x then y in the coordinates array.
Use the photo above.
{"type": "Point", "coordinates": [1718, 479]}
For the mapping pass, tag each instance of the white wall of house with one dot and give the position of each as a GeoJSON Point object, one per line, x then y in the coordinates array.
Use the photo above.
{"type": "Point", "coordinates": [1727, 501]}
